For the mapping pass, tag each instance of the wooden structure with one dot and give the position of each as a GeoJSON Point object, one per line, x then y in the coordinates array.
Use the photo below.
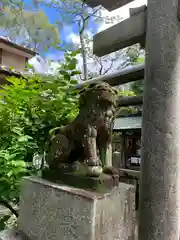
{"type": "Point", "coordinates": [13, 59]}
{"type": "Point", "coordinates": [159, 28]}
{"type": "Point", "coordinates": [130, 129]}
{"type": "Point", "coordinates": [129, 159]}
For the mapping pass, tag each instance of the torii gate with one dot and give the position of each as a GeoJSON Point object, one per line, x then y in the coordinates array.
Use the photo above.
{"type": "Point", "coordinates": [160, 169]}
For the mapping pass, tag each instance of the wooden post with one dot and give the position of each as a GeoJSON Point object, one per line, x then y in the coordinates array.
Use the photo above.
{"type": "Point", "coordinates": [123, 159]}
{"type": "Point", "coordinates": [160, 168]}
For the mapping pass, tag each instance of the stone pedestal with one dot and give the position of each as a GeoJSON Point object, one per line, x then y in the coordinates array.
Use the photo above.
{"type": "Point", "coordinates": [49, 211]}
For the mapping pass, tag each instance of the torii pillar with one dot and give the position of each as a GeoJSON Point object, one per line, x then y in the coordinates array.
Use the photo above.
{"type": "Point", "coordinates": [160, 170]}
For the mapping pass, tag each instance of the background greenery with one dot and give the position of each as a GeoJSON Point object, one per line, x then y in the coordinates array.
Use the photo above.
{"type": "Point", "coordinates": [29, 109]}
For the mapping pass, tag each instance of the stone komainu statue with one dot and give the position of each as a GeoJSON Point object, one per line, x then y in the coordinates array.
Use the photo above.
{"type": "Point", "coordinates": [88, 138]}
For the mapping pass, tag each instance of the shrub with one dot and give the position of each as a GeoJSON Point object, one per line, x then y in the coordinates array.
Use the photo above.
{"type": "Point", "coordinates": [30, 107]}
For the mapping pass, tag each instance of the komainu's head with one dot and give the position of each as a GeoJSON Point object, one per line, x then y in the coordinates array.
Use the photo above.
{"type": "Point", "coordinates": [101, 94]}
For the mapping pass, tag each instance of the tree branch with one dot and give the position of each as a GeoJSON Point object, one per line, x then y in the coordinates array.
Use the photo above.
{"type": "Point", "coordinates": [7, 205]}
{"type": "Point", "coordinates": [101, 68]}
{"type": "Point", "coordinates": [107, 70]}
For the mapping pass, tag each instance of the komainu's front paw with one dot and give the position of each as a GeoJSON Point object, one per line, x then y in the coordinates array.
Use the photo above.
{"type": "Point", "coordinates": [94, 171]}
{"type": "Point", "coordinates": [110, 171]}
{"type": "Point", "coordinates": [93, 162]}
{"type": "Point", "coordinates": [94, 167]}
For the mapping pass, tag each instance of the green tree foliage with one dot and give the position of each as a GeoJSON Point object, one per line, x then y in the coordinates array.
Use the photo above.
{"type": "Point", "coordinates": [29, 28]}
{"type": "Point", "coordinates": [136, 56]}
{"type": "Point", "coordinates": [130, 109]}
{"type": "Point", "coordinates": [29, 109]}
{"type": "Point", "coordinates": [137, 87]}
{"type": "Point", "coordinates": [14, 4]}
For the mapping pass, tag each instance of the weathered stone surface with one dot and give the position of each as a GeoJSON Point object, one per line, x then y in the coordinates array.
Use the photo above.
{"type": "Point", "coordinates": [129, 74]}
{"type": "Point", "coordinates": [115, 215]}
{"type": "Point", "coordinates": [134, 11]}
{"type": "Point", "coordinates": [110, 5]}
{"type": "Point", "coordinates": [160, 168]}
{"type": "Point", "coordinates": [87, 139]}
{"type": "Point", "coordinates": [51, 212]}
{"type": "Point", "coordinates": [102, 183]}
{"type": "Point", "coordinates": [121, 35]}
{"type": "Point", "coordinates": [12, 234]}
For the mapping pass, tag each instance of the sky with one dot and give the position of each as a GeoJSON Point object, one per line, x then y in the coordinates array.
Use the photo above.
{"type": "Point", "coordinates": [69, 34]}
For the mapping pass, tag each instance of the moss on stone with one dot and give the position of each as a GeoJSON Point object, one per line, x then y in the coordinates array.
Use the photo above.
{"type": "Point", "coordinates": [78, 178]}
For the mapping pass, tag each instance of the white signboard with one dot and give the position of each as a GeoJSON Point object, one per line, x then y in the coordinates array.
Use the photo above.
{"type": "Point", "coordinates": [135, 160]}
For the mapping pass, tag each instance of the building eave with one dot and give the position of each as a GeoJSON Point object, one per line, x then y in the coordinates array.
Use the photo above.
{"type": "Point", "coordinates": [16, 46]}
{"type": "Point", "coordinates": [11, 72]}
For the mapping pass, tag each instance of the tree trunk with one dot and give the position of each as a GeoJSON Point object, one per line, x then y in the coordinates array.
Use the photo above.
{"type": "Point", "coordinates": [84, 57]}
{"type": "Point", "coordinates": [81, 25]}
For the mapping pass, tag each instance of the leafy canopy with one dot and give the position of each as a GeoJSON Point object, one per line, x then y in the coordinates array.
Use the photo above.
{"type": "Point", "coordinates": [29, 28]}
